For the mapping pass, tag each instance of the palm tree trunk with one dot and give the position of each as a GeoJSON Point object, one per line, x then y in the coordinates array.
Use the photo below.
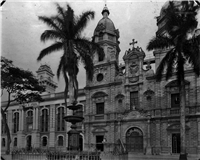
{"type": "Point", "coordinates": [183, 155]}
{"type": "Point", "coordinates": [7, 131]}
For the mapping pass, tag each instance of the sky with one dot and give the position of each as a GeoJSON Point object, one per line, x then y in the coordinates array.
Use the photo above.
{"type": "Point", "coordinates": [21, 29]}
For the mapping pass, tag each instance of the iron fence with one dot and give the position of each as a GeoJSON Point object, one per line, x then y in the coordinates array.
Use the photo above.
{"type": "Point", "coordinates": [38, 154]}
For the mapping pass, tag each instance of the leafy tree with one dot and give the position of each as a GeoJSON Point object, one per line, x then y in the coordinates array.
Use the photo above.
{"type": "Point", "coordinates": [65, 30]}
{"type": "Point", "coordinates": [21, 87]}
{"type": "Point", "coordinates": [180, 23]}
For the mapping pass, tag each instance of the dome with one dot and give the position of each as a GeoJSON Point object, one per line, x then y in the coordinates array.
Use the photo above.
{"type": "Point", "coordinates": [105, 24]}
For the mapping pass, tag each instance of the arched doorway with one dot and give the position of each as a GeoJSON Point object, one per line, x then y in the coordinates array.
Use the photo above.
{"type": "Point", "coordinates": [28, 142]}
{"type": "Point", "coordinates": [134, 140]}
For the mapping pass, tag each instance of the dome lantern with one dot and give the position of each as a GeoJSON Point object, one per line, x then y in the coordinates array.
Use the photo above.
{"type": "Point", "coordinates": [105, 12]}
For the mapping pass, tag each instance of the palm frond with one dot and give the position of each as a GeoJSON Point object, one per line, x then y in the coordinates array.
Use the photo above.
{"type": "Point", "coordinates": [50, 23]}
{"type": "Point", "coordinates": [191, 51]}
{"type": "Point", "coordinates": [159, 42]}
{"type": "Point", "coordinates": [87, 60]}
{"type": "Point", "coordinates": [60, 10]}
{"type": "Point", "coordinates": [83, 21]}
{"type": "Point", "coordinates": [70, 22]}
{"type": "Point", "coordinates": [171, 64]}
{"type": "Point", "coordinates": [162, 64]}
{"type": "Point", "coordinates": [59, 21]}
{"type": "Point", "coordinates": [181, 20]}
{"type": "Point", "coordinates": [51, 35]}
{"type": "Point", "coordinates": [54, 47]}
{"type": "Point", "coordinates": [90, 47]}
{"type": "Point", "coordinates": [61, 65]}
{"type": "Point", "coordinates": [180, 68]}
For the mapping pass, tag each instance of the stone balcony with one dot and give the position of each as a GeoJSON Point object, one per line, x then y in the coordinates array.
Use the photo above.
{"type": "Point", "coordinates": [165, 112]}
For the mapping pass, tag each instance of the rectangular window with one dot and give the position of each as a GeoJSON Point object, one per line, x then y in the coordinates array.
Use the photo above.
{"type": "Point", "coordinates": [44, 120]}
{"type": "Point", "coordinates": [29, 120]}
{"type": "Point", "coordinates": [175, 100]}
{"type": "Point", "coordinates": [134, 99]}
{"type": "Point", "coordinates": [16, 122]}
{"type": "Point", "coordinates": [99, 143]}
{"type": "Point", "coordinates": [99, 108]}
{"type": "Point", "coordinates": [60, 120]}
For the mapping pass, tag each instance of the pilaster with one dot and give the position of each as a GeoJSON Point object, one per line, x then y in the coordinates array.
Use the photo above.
{"type": "Point", "coordinates": [34, 118]}
{"type": "Point", "coordinates": [52, 126]}
{"type": "Point", "coordinates": [148, 149]}
{"type": "Point", "coordinates": [20, 133]}
{"type": "Point", "coordinates": [158, 137]}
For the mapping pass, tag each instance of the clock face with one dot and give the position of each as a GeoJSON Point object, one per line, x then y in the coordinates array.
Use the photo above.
{"type": "Point", "coordinates": [99, 77]}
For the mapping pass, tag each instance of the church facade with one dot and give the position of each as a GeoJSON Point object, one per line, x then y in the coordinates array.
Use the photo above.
{"type": "Point", "coordinates": [123, 105]}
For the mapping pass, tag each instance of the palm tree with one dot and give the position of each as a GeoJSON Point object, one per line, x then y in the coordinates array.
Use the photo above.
{"type": "Point", "coordinates": [180, 23]}
{"type": "Point", "coordinates": [65, 30]}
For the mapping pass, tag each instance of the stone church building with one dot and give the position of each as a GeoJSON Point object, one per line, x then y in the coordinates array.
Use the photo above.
{"type": "Point", "coordinates": [123, 106]}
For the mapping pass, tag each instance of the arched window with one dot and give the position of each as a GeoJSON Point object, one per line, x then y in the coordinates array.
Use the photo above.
{"type": "Point", "coordinates": [134, 140]}
{"type": "Point", "coordinates": [44, 120]}
{"type": "Point", "coordinates": [16, 122]}
{"type": "Point", "coordinates": [15, 142]}
{"type": "Point", "coordinates": [60, 140]}
{"type": "Point", "coordinates": [29, 120]}
{"type": "Point", "coordinates": [44, 141]}
{"type": "Point", "coordinates": [3, 142]}
{"type": "Point", "coordinates": [60, 120]}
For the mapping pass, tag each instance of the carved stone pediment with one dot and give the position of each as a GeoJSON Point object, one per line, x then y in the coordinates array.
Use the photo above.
{"type": "Point", "coordinates": [134, 115]}
{"type": "Point", "coordinates": [99, 130]}
{"type": "Point", "coordinates": [133, 54]}
{"type": "Point", "coordinates": [176, 127]}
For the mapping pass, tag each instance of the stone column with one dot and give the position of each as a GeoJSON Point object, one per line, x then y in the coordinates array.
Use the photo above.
{"type": "Point", "coordinates": [22, 127]}
{"type": "Point", "coordinates": [35, 133]}
{"type": "Point", "coordinates": [157, 137]}
{"type": "Point", "coordinates": [52, 140]}
{"type": "Point", "coordinates": [20, 135]}
{"type": "Point", "coordinates": [37, 118]}
{"type": "Point", "coordinates": [34, 118]}
{"type": "Point", "coordinates": [148, 149]}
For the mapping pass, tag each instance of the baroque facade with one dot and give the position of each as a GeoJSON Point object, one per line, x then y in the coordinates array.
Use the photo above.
{"type": "Point", "coordinates": [123, 105]}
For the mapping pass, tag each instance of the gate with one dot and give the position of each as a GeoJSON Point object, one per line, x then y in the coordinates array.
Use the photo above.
{"type": "Point", "coordinates": [134, 140]}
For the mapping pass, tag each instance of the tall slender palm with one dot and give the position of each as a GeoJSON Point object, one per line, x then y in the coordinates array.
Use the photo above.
{"type": "Point", "coordinates": [65, 30]}
{"type": "Point", "coordinates": [180, 23]}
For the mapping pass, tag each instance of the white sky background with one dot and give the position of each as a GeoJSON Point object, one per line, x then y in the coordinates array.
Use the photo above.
{"type": "Point", "coordinates": [21, 29]}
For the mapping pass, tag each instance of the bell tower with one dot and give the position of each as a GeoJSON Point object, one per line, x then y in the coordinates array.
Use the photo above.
{"type": "Point", "coordinates": [45, 76]}
{"type": "Point", "coordinates": [107, 36]}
